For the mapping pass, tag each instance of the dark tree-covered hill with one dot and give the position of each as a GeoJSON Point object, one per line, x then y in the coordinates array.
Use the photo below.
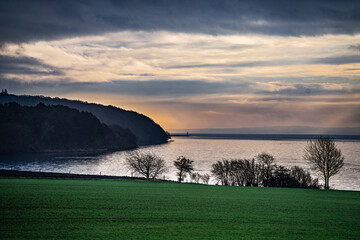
{"type": "Point", "coordinates": [53, 128]}
{"type": "Point", "coordinates": [145, 129]}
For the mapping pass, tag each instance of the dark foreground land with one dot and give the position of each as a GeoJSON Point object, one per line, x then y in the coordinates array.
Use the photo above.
{"type": "Point", "coordinates": [124, 209]}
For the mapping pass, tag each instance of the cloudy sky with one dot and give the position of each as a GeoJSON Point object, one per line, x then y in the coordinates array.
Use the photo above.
{"type": "Point", "coordinates": [191, 64]}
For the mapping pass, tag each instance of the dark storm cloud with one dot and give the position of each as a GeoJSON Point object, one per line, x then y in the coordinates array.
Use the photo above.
{"type": "Point", "coordinates": [178, 88]}
{"type": "Point", "coordinates": [25, 65]}
{"type": "Point", "coordinates": [171, 88]}
{"type": "Point", "coordinates": [31, 20]}
{"type": "Point", "coordinates": [136, 88]}
{"type": "Point", "coordinates": [338, 60]}
{"type": "Point", "coordinates": [355, 47]}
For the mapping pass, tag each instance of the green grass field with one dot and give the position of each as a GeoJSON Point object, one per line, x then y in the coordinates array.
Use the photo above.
{"type": "Point", "coordinates": [113, 209]}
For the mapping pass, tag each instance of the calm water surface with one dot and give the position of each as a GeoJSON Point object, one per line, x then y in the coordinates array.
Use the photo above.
{"type": "Point", "coordinates": [203, 151]}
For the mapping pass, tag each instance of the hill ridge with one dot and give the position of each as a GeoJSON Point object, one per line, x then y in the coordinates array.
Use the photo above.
{"type": "Point", "coordinates": [146, 130]}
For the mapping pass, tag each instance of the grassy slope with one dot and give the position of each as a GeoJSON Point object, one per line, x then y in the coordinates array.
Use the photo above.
{"type": "Point", "coordinates": [110, 209]}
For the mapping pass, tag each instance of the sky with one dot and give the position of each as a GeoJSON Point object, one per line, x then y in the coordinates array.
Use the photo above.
{"type": "Point", "coordinates": [191, 64]}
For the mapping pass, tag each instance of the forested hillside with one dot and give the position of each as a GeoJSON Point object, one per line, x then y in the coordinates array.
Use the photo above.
{"type": "Point", "coordinates": [145, 129]}
{"type": "Point", "coordinates": [57, 128]}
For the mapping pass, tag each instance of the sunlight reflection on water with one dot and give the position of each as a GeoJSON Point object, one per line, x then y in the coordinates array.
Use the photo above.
{"type": "Point", "coordinates": [203, 151]}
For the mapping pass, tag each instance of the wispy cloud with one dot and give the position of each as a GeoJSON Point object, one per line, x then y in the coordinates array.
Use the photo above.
{"type": "Point", "coordinates": [309, 89]}
{"type": "Point", "coordinates": [26, 66]}
{"type": "Point", "coordinates": [137, 56]}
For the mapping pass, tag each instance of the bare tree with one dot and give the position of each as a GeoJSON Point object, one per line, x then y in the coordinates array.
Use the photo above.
{"type": "Point", "coordinates": [267, 163]}
{"type": "Point", "coordinates": [148, 165]}
{"type": "Point", "coordinates": [237, 172]}
{"type": "Point", "coordinates": [184, 165]}
{"type": "Point", "coordinates": [303, 178]}
{"type": "Point", "coordinates": [245, 172]}
{"type": "Point", "coordinates": [324, 157]}
{"type": "Point", "coordinates": [252, 172]}
{"type": "Point", "coordinates": [205, 178]}
{"type": "Point", "coordinates": [221, 170]}
{"type": "Point", "coordinates": [195, 177]}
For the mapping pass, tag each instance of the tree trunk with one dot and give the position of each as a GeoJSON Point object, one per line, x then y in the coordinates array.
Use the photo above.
{"type": "Point", "coordinates": [180, 176]}
{"type": "Point", "coordinates": [326, 182]}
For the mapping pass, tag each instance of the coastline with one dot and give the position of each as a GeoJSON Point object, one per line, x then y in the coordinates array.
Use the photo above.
{"type": "Point", "coordinates": [90, 152]}
{"type": "Point", "coordinates": [5, 173]}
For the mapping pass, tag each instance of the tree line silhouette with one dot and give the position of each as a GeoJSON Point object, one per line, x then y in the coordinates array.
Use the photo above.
{"type": "Point", "coordinates": [145, 129]}
{"type": "Point", "coordinates": [322, 155]}
{"type": "Point", "coordinates": [261, 171]}
{"type": "Point", "coordinates": [53, 128]}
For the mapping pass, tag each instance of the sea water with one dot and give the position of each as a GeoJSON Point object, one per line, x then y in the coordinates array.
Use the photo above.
{"type": "Point", "coordinates": [204, 150]}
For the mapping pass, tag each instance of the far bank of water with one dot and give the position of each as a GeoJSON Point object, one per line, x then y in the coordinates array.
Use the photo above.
{"type": "Point", "coordinates": [204, 151]}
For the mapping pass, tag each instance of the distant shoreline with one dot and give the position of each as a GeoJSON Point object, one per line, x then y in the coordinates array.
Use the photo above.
{"type": "Point", "coordinates": [219, 136]}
